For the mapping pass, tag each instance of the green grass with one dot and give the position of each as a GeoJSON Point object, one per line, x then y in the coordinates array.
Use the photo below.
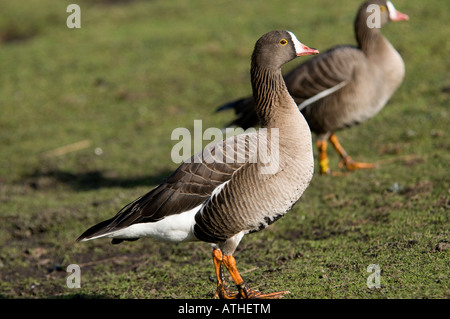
{"type": "Point", "coordinates": [138, 69]}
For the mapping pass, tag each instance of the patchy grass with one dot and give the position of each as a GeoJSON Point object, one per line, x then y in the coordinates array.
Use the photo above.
{"type": "Point", "coordinates": [138, 69]}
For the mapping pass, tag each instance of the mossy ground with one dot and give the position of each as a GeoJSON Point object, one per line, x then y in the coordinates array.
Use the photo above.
{"type": "Point", "coordinates": [138, 69]}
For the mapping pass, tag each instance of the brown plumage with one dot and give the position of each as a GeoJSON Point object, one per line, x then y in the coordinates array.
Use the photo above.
{"type": "Point", "coordinates": [237, 186]}
{"type": "Point", "coordinates": [342, 87]}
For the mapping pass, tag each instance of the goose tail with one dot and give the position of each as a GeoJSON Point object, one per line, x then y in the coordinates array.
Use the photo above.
{"type": "Point", "coordinates": [102, 229]}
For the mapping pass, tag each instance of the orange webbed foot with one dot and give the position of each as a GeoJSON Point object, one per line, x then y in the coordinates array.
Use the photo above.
{"type": "Point", "coordinates": [351, 165]}
{"type": "Point", "coordinates": [246, 292]}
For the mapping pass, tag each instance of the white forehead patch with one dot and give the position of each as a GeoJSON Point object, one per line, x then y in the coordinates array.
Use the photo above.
{"type": "Point", "coordinates": [392, 11]}
{"type": "Point", "coordinates": [297, 44]}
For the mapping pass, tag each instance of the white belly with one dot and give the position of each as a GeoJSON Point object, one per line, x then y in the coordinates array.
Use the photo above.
{"type": "Point", "coordinates": [174, 228]}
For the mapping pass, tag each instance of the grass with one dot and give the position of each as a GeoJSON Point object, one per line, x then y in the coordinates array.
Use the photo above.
{"type": "Point", "coordinates": [138, 69]}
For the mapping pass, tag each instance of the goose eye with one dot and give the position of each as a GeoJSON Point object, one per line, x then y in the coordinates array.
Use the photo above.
{"type": "Point", "coordinates": [382, 8]}
{"type": "Point", "coordinates": [283, 42]}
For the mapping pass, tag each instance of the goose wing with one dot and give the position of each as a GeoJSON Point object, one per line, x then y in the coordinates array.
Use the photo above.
{"type": "Point", "coordinates": [323, 75]}
{"type": "Point", "coordinates": [189, 186]}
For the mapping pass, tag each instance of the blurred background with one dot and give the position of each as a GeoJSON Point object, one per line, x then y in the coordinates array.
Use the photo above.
{"type": "Point", "coordinates": [86, 117]}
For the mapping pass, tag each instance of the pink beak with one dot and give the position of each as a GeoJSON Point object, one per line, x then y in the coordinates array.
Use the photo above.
{"type": "Point", "coordinates": [395, 15]}
{"type": "Point", "coordinates": [307, 51]}
{"type": "Point", "coordinates": [398, 16]}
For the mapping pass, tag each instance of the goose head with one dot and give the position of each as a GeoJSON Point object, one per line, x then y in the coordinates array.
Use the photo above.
{"type": "Point", "coordinates": [385, 9]}
{"type": "Point", "coordinates": [277, 47]}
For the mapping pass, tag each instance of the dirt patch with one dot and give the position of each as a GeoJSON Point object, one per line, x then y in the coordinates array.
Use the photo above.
{"type": "Point", "coordinates": [441, 246]}
{"type": "Point", "coordinates": [49, 179]}
{"type": "Point", "coordinates": [13, 33]}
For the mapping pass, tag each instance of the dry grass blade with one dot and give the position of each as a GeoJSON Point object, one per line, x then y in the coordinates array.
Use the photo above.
{"type": "Point", "coordinates": [67, 149]}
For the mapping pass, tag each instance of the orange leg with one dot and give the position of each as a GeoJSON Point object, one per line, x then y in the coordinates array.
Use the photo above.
{"type": "Point", "coordinates": [349, 163]}
{"type": "Point", "coordinates": [244, 291]}
{"type": "Point", "coordinates": [324, 163]}
{"type": "Point", "coordinates": [222, 291]}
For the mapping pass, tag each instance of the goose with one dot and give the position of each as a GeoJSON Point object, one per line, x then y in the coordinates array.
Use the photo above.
{"type": "Point", "coordinates": [231, 188]}
{"type": "Point", "coordinates": [344, 86]}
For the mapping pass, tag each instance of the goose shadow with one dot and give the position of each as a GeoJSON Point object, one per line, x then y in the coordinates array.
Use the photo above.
{"type": "Point", "coordinates": [90, 180]}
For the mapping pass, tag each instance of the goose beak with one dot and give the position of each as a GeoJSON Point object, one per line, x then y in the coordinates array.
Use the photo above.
{"type": "Point", "coordinates": [395, 15]}
{"type": "Point", "coordinates": [398, 16]}
{"type": "Point", "coordinates": [300, 48]}
{"type": "Point", "coordinates": [304, 50]}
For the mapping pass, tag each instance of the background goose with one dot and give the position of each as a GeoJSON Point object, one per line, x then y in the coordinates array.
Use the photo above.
{"type": "Point", "coordinates": [216, 200]}
{"type": "Point", "coordinates": [344, 86]}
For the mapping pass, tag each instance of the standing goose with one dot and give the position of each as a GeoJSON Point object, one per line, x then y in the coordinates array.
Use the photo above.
{"type": "Point", "coordinates": [344, 86]}
{"type": "Point", "coordinates": [219, 199]}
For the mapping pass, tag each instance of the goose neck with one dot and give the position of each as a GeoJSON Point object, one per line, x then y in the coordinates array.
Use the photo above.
{"type": "Point", "coordinates": [369, 39]}
{"type": "Point", "coordinates": [268, 86]}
